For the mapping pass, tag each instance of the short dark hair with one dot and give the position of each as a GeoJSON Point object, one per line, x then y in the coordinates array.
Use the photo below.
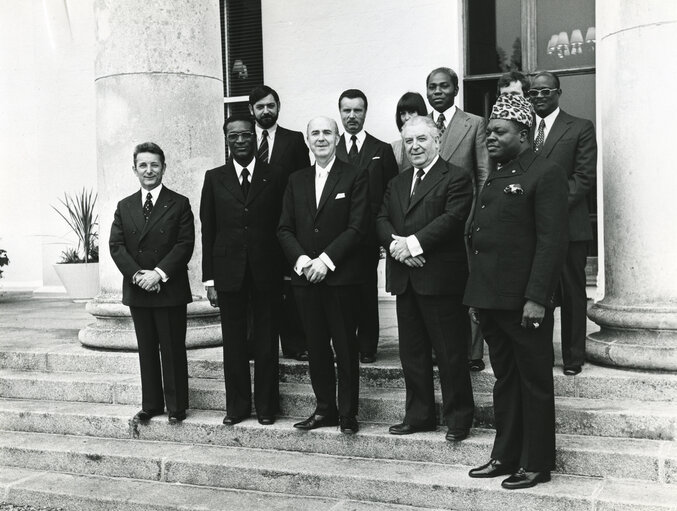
{"type": "Point", "coordinates": [513, 76]}
{"type": "Point", "coordinates": [238, 117]}
{"type": "Point", "coordinates": [149, 147]}
{"type": "Point", "coordinates": [353, 94]}
{"type": "Point", "coordinates": [261, 92]}
{"type": "Point", "coordinates": [446, 70]}
{"type": "Point", "coordinates": [409, 102]}
{"type": "Point", "coordinates": [549, 75]}
{"type": "Point", "coordinates": [520, 125]}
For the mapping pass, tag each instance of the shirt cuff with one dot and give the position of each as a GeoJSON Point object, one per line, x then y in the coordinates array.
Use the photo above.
{"type": "Point", "coordinates": [208, 283]}
{"type": "Point", "coordinates": [162, 274]}
{"type": "Point", "coordinates": [301, 262]}
{"type": "Point", "coordinates": [327, 260]}
{"type": "Point", "coordinates": [414, 246]}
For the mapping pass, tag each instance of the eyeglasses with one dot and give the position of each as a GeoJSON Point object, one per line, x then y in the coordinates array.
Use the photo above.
{"type": "Point", "coordinates": [234, 137]}
{"type": "Point", "coordinates": [534, 93]}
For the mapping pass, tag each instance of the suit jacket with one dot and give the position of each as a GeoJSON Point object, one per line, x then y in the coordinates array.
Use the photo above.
{"type": "Point", "coordinates": [289, 151]}
{"type": "Point", "coordinates": [237, 231]}
{"type": "Point", "coordinates": [571, 144]}
{"type": "Point", "coordinates": [519, 237]}
{"type": "Point", "coordinates": [166, 241]}
{"type": "Point", "coordinates": [377, 159]}
{"type": "Point", "coordinates": [336, 226]}
{"type": "Point", "coordinates": [436, 216]}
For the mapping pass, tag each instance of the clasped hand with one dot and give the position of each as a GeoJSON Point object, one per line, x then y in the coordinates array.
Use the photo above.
{"type": "Point", "coordinates": [148, 280]}
{"type": "Point", "coordinates": [399, 250]}
{"type": "Point", "coordinates": [315, 271]}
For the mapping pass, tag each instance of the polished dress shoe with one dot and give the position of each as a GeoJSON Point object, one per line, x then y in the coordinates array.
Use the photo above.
{"type": "Point", "coordinates": [267, 421]}
{"type": "Point", "coordinates": [316, 421]}
{"type": "Point", "coordinates": [408, 429]}
{"type": "Point", "coordinates": [523, 479]}
{"type": "Point", "coordinates": [492, 469]}
{"type": "Point", "coordinates": [368, 358]}
{"type": "Point", "coordinates": [176, 417]}
{"type": "Point", "coordinates": [231, 421]}
{"type": "Point", "coordinates": [456, 434]}
{"type": "Point", "coordinates": [146, 415]}
{"type": "Point", "coordinates": [476, 365]}
{"type": "Point", "coordinates": [572, 370]}
{"type": "Point", "coordinates": [349, 425]}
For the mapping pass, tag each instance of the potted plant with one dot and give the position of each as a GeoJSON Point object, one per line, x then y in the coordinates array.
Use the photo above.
{"type": "Point", "coordinates": [78, 268]}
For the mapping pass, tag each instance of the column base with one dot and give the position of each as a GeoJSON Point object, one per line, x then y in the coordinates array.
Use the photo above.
{"type": "Point", "coordinates": [636, 337]}
{"type": "Point", "coordinates": [114, 329]}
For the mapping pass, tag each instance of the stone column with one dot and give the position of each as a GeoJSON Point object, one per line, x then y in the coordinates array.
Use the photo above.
{"type": "Point", "coordinates": [636, 81]}
{"type": "Point", "coordinates": [159, 78]}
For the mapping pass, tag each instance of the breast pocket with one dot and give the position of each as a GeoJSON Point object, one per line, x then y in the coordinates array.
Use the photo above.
{"type": "Point", "coordinates": [514, 208]}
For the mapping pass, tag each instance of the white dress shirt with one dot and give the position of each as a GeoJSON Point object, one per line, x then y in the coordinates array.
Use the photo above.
{"type": "Point", "coordinates": [549, 121]}
{"type": "Point", "coordinates": [359, 140]}
{"type": "Point", "coordinates": [448, 115]}
{"type": "Point", "coordinates": [154, 194]}
{"type": "Point", "coordinates": [271, 137]}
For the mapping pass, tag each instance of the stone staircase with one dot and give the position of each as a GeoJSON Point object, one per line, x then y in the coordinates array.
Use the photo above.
{"type": "Point", "coordinates": [66, 440]}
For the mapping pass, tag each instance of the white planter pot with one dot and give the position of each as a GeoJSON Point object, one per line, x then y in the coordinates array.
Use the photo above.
{"type": "Point", "coordinates": [80, 280]}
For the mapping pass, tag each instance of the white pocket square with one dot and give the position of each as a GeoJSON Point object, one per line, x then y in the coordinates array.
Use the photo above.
{"type": "Point", "coordinates": [376, 158]}
{"type": "Point", "coordinates": [340, 196]}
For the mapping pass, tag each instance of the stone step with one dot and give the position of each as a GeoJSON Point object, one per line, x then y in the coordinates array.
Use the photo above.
{"type": "Point", "coordinates": [73, 492]}
{"type": "Point", "coordinates": [341, 478]}
{"type": "Point", "coordinates": [582, 416]}
{"type": "Point", "coordinates": [593, 382]}
{"type": "Point", "coordinates": [649, 460]}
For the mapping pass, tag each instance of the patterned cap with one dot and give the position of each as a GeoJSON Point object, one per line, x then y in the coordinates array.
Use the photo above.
{"type": "Point", "coordinates": [513, 106]}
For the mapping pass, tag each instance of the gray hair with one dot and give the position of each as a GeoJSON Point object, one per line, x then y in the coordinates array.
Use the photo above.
{"type": "Point", "coordinates": [426, 121]}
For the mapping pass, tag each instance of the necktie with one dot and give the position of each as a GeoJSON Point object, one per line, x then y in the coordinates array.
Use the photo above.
{"type": "Point", "coordinates": [540, 136]}
{"type": "Point", "coordinates": [417, 181]}
{"type": "Point", "coordinates": [440, 123]}
{"type": "Point", "coordinates": [245, 182]}
{"type": "Point", "coordinates": [148, 206]}
{"type": "Point", "coordinates": [263, 148]}
{"type": "Point", "coordinates": [353, 149]}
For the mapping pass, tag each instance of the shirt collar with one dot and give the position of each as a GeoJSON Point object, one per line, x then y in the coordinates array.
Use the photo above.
{"type": "Point", "coordinates": [259, 131]}
{"type": "Point", "coordinates": [327, 169]}
{"type": "Point", "coordinates": [361, 135]}
{"type": "Point", "coordinates": [249, 167]}
{"type": "Point", "coordinates": [154, 193]}
{"type": "Point", "coordinates": [549, 119]}
{"type": "Point", "coordinates": [448, 115]}
{"type": "Point", "coordinates": [429, 166]}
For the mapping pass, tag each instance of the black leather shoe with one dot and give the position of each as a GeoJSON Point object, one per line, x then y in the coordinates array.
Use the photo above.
{"type": "Point", "coordinates": [316, 421]}
{"type": "Point", "coordinates": [492, 469]}
{"type": "Point", "coordinates": [572, 370]}
{"type": "Point", "coordinates": [368, 358]}
{"type": "Point", "coordinates": [146, 415]}
{"type": "Point", "coordinates": [231, 421]}
{"type": "Point", "coordinates": [456, 435]}
{"type": "Point", "coordinates": [476, 365]}
{"type": "Point", "coordinates": [523, 479]}
{"type": "Point", "coordinates": [267, 421]}
{"type": "Point", "coordinates": [349, 425]}
{"type": "Point", "coordinates": [408, 429]}
{"type": "Point", "coordinates": [176, 417]}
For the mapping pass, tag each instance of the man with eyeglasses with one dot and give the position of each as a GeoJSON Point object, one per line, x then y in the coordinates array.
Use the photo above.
{"type": "Point", "coordinates": [242, 269]}
{"type": "Point", "coordinates": [569, 142]}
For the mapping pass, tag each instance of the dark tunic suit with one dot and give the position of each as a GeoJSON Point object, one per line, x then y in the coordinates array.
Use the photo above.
{"type": "Point", "coordinates": [518, 246]}
{"type": "Point", "coordinates": [290, 153]}
{"type": "Point", "coordinates": [571, 145]}
{"type": "Point", "coordinates": [376, 158]}
{"type": "Point", "coordinates": [166, 242]}
{"type": "Point", "coordinates": [241, 254]}
{"type": "Point", "coordinates": [430, 313]}
{"type": "Point", "coordinates": [335, 226]}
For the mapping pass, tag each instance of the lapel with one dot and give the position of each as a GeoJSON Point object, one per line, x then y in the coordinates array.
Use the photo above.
{"type": "Point", "coordinates": [434, 176]}
{"type": "Point", "coordinates": [519, 165]}
{"type": "Point", "coordinates": [559, 128]}
{"type": "Point", "coordinates": [135, 209]}
{"type": "Point", "coordinates": [228, 178]}
{"type": "Point", "coordinates": [404, 188]}
{"type": "Point", "coordinates": [260, 179]}
{"type": "Point", "coordinates": [332, 179]}
{"type": "Point", "coordinates": [341, 149]}
{"type": "Point", "coordinates": [309, 185]}
{"type": "Point", "coordinates": [455, 132]}
{"type": "Point", "coordinates": [367, 151]}
{"type": "Point", "coordinates": [162, 205]}
{"type": "Point", "coordinates": [278, 147]}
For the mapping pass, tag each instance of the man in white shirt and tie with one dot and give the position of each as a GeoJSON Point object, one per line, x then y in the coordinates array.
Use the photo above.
{"type": "Point", "coordinates": [325, 217]}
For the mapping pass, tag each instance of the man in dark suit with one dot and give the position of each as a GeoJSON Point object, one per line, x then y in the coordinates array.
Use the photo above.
{"type": "Point", "coordinates": [518, 246]}
{"type": "Point", "coordinates": [463, 143]}
{"type": "Point", "coordinates": [325, 216]}
{"type": "Point", "coordinates": [422, 223]}
{"type": "Point", "coordinates": [569, 142]}
{"type": "Point", "coordinates": [285, 149]}
{"type": "Point", "coordinates": [151, 242]}
{"type": "Point", "coordinates": [242, 269]}
{"type": "Point", "coordinates": [376, 158]}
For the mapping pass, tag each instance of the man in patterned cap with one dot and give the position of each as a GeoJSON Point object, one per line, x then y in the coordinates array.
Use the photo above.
{"type": "Point", "coordinates": [519, 240]}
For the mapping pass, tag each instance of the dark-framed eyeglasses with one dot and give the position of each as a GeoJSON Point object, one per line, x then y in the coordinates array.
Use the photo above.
{"type": "Point", "coordinates": [245, 136]}
{"type": "Point", "coordinates": [534, 93]}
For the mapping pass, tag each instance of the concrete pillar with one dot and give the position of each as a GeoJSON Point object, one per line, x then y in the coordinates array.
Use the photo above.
{"type": "Point", "coordinates": [158, 78]}
{"type": "Point", "coordinates": [638, 315]}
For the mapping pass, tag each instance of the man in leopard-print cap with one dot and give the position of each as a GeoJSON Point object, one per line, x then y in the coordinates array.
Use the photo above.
{"type": "Point", "coordinates": [519, 240]}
